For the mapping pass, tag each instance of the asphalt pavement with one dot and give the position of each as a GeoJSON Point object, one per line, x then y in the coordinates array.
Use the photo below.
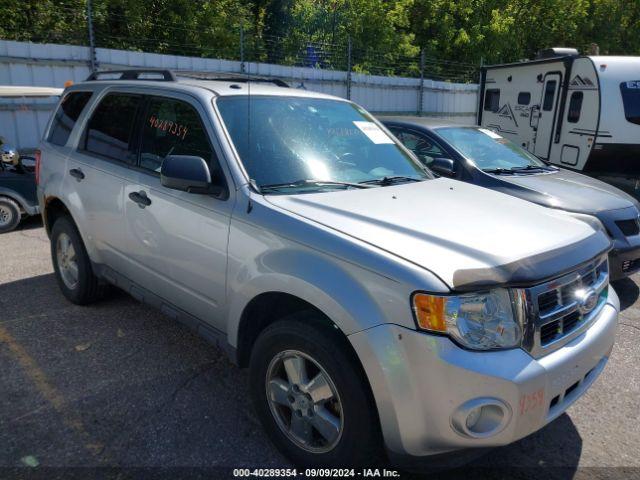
{"type": "Point", "coordinates": [117, 384]}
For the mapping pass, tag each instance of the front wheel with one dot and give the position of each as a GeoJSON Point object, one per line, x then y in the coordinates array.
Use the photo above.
{"type": "Point", "coordinates": [311, 396]}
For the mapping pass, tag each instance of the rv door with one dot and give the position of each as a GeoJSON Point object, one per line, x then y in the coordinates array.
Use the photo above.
{"type": "Point", "coordinates": [546, 114]}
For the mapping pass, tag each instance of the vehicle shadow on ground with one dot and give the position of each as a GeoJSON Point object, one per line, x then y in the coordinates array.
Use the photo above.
{"type": "Point", "coordinates": [627, 291]}
{"type": "Point", "coordinates": [30, 223]}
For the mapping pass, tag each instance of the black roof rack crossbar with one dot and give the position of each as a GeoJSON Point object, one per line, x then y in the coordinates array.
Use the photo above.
{"type": "Point", "coordinates": [135, 73]}
{"type": "Point", "coordinates": [234, 78]}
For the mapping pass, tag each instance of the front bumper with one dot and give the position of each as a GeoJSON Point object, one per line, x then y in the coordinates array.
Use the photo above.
{"type": "Point", "coordinates": [419, 382]}
{"type": "Point", "coordinates": [624, 259]}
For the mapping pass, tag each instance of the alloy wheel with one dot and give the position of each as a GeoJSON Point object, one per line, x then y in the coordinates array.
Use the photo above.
{"type": "Point", "coordinates": [67, 262]}
{"type": "Point", "coordinates": [304, 401]}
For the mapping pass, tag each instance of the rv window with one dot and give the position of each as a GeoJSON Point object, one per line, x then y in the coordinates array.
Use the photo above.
{"type": "Point", "coordinates": [549, 95]}
{"type": "Point", "coordinates": [575, 106]}
{"type": "Point", "coordinates": [524, 98]}
{"type": "Point", "coordinates": [631, 100]}
{"type": "Point", "coordinates": [492, 100]}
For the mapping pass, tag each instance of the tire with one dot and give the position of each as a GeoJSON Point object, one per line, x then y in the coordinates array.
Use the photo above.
{"type": "Point", "coordinates": [87, 288]}
{"type": "Point", "coordinates": [358, 442]}
{"type": "Point", "coordinates": [9, 215]}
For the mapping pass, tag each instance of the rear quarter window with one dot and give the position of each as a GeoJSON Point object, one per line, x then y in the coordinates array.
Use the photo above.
{"type": "Point", "coordinates": [66, 116]}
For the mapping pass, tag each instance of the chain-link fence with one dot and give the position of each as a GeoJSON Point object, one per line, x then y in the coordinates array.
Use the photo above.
{"type": "Point", "coordinates": [98, 29]}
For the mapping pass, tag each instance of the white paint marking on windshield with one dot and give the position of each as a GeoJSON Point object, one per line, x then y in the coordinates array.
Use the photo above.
{"type": "Point", "coordinates": [374, 132]}
{"type": "Point", "coordinates": [490, 133]}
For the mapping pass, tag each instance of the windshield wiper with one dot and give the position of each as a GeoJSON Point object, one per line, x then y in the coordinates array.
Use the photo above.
{"type": "Point", "coordinates": [499, 171]}
{"type": "Point", "coordinates": [384, 181]}
{"type": "Point", "coordinates": [529, 168]}
{"type": "Point", "coordinates": [310, 182]}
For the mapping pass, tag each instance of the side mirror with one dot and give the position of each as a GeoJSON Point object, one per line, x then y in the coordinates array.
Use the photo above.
{"type": "Point", "coordinates": [10, 155]}
{"type": "Point", "coordinates": [443, 166]}
{"type": "Point", "coordinates": [188, 174]}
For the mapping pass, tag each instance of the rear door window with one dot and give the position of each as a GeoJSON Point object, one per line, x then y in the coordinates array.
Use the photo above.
{"type": "Point", "coordinates": [173, 127]}
{"type": "Point", "coordinates": [110, 132]}
{"type": "Point", "coordinates": [631, 100]}
{"type": "Point", "coordinates": [66, 116]}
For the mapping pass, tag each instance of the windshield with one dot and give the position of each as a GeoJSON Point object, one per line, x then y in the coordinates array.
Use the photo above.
{"type": "Point", "coordinates": [488, 150]}
{"type": "Point", "coordinates": [309, 143]}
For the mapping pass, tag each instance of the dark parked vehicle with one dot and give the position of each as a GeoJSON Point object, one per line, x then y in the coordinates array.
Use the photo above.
{"type": "Point", "coordinates": [17, 188]}
{"type": "Point", "coordinates": [483, 157]}
{"type": "Point", "coordinates": [17, 169]}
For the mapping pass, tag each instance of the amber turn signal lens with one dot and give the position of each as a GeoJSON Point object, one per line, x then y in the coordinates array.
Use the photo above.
{"type": "Point", "coordinates": [430, 312]}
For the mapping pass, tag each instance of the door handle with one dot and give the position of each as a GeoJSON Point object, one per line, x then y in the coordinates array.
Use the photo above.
{"type": "Point", "coordinates": [77, 174]}
{"type": "Point", "coordinates": [140, 198]}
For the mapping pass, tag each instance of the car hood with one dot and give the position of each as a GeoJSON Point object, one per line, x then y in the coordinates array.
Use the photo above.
{"type": "Point", "coordinates": [468, 236]}
{"type": "Point", "coordinates": [566, 190]}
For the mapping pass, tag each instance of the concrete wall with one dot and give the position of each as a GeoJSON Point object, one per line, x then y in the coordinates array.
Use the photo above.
{"type": "Point", "coordinates": [28, 64]}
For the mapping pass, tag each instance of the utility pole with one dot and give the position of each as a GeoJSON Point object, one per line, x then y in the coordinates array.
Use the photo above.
{"type": "Point", "coordinates": [93, 62]}
{"type": "Point", "coordinates": [349, 68]}
{"type": "Point", "coordinates": [242, 66]}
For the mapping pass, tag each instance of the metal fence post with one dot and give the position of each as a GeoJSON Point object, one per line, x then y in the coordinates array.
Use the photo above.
{"type": "Point", "coordinates": [478, 98]}
{"type": "Point", "coordinates": [93, 62]}
{"type": "Point", "coordinates": [242, 66]}
{"type": "Point", "coordinates": [349, 69]}
{"type": "Point", "coordinates": [421, 87]}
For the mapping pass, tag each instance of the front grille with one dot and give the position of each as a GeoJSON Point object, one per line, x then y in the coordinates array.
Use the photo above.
{"type": "Point", "coordinates": [629, 227]}
{"type": "Point", "coordinates": [547, 301]}
{"type": "Point", "coordinates": [556, 310]}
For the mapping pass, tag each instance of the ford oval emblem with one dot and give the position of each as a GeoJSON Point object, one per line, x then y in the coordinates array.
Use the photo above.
{"type": "Point", "coordinates": [587, 300]}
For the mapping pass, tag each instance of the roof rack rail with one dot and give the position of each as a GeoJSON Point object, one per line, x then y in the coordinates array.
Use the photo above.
{"type": "Point", "coordinates": [234, 78]}
{"type": "Point", "coordinates": [156, 74]}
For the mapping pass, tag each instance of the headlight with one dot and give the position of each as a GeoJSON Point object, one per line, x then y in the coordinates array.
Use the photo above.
{"type": "Point", "coordinates": [593, 221]}
{"type": "Point", "coordinates": [481, 321]}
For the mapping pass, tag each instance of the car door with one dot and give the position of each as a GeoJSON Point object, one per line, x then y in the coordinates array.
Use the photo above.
{"type": "Point", "coordinates": [546, 115]}
{"type": "Point", "coordinates": [96, 173]}
{"type": "Point", "coordinates": [178, 240]}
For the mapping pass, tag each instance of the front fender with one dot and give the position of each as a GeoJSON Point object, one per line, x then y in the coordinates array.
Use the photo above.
{"type": "Point", "coordinates": [329, 284]}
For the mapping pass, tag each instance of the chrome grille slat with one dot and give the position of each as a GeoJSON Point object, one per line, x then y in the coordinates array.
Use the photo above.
{"type": "Point", "coordinates": [551, 311]}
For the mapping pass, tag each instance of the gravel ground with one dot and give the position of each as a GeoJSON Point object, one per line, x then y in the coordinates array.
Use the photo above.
{"type": "Point", "coordinates": [118, 384]}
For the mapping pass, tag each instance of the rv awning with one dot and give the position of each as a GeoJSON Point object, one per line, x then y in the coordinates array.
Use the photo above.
{"type": "Point", "coordinates": [20, 92]}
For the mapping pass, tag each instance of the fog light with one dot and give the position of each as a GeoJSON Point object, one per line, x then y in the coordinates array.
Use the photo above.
{"type": "Point", "coordinates": [481, 417]}
{"type": "Point", "coordinates": [473, 417]}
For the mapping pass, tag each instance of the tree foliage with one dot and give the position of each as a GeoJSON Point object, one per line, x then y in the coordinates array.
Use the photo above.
{"type": "Point", "coordinates": [384, 34]}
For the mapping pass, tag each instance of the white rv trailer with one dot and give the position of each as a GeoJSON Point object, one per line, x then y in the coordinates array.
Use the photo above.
{"type": "Point", "coordinates": [579, 112]}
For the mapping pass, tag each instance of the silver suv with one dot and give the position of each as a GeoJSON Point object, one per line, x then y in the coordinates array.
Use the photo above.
{"type": "Point", "coordinates": [379, 309]}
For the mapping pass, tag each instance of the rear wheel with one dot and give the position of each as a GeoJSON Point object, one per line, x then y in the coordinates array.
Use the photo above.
{"type": "Point", "coordinates": [9, 215]}
{"type": "Point", "coordinates": [72, 265]}
{"type": "Point", "coordinates": [312, 397]}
